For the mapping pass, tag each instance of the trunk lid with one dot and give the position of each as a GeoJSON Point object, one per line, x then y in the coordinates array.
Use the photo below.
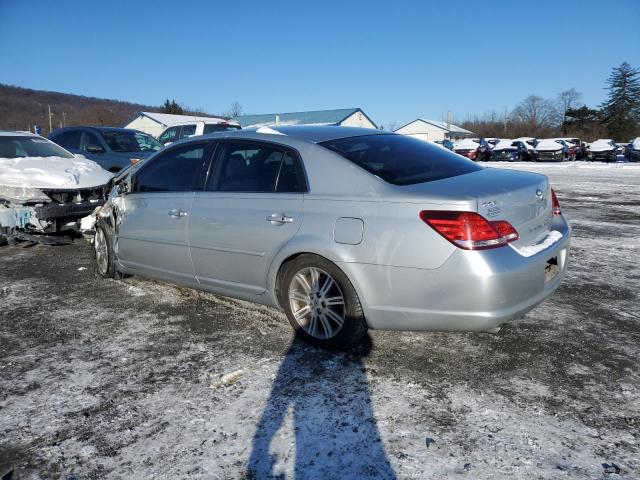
{"type": "Point", "coordinates": [521, 198]}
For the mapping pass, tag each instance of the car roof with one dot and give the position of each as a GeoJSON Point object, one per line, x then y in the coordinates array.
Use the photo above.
{"type": "Point", "coordinates": [313, 133]}
{"type": "Point", "coordinates": [8, 133]}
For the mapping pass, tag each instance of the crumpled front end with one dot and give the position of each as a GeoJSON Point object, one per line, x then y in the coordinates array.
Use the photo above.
{"type": "Point", "coordinates": [46, 210]}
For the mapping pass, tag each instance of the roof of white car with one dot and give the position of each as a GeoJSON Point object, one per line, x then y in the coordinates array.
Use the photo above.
{"type": "Point", "coordinates": [7, 133]}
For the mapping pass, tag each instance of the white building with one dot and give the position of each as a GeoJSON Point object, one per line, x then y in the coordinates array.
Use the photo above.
{"type": "Point", "coordinates": [433, 130]}
{"type": "Point", "coordinates": [348, 117]}
{"type": "Point", "coordinates": [155, 123]}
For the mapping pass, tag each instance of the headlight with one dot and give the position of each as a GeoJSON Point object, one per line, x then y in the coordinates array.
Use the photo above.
{"type": "Point", "coordinates": [22, 194]}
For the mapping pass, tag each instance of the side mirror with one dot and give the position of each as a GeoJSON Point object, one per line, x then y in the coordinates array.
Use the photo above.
{"type": "Point", "coordinates": [94, 149]}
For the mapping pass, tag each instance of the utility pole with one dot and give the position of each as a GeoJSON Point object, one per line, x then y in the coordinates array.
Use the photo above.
{"type": "Point", "coordinates": [505, 120]}
{"type": "Point", "coordinates": [50, 116]}
{"type": "Point", "coordinates": [64, 119]}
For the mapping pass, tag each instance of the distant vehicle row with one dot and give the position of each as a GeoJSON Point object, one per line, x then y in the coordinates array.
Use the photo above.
{"type": "Point", "coordinates": [544, 150]}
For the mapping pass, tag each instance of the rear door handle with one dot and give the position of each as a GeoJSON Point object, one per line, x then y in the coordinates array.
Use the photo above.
{"type": "Point", "coordinates": [279, 219]}
{"type": "Point", "coordinates": [177, 213]}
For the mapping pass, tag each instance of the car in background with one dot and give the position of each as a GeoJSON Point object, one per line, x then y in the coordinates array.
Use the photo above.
{"type": "Point", "coordinates": [111, 148]}
{"type": "Point", "coordinates": [510, 151]}
{"type": "Point", "coordinates": [577, 148]}
{"type": "Point", "coordinates": [43, 187]}
{"type": "Point", "coordinates": [279, 219]}
{"type": "Point", "coordinates": [530, 143]}
{"type": "Point", "coordinates": [632, 151]}
{"type": "Point", "coordinates": [603, 149]}
{"type": "Point", "coordinates": [551, 150]}
{"type": "Point", "coordinates": [474, 149]}
{"type": "Point", "coordinates": [190, 129]}
{"type": "Point", "coordinates": [446, 143]}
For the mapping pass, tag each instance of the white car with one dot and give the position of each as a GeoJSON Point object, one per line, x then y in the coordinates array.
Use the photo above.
{"type": "Point", "coordinates": [43, 187]}
{"type": "Point", "coordinates": [603, 149]}
{"type": "Point", "coordinates": [191, 129]}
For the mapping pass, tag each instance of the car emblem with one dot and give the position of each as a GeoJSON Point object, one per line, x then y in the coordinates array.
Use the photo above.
{"type": "Point", "coordinates": [539, 194]}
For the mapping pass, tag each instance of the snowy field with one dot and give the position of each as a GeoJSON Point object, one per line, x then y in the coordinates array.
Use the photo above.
{"type": "Point", "coordinates": [135, 379]}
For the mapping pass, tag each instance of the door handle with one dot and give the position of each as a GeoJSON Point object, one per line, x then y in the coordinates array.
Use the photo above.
{"type": "Point", "coordinates": [279, 219]}
{"type": "Point", "coordinates": [177, 213]}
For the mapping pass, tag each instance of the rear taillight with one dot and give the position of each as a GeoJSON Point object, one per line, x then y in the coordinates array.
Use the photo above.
{"type": "Point", "coordinates": [469, 230]}
{"type": "Point", "coordinates": [555, 203]}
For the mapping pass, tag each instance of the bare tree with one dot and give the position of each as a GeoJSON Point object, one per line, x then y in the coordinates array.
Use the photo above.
{"type": "Point", "coordinates": [537, 113]}
{"type": "Point", "coordinates": [567, 100]}
{"type": "Point", "coordinates": [235, 110]}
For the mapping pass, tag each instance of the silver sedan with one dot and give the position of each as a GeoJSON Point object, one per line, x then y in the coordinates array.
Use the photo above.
{"type": "Point", "coordinates": [343, 228]}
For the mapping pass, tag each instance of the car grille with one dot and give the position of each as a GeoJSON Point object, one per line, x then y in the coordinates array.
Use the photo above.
{"type": "Point", "coordinates": [75, 196]}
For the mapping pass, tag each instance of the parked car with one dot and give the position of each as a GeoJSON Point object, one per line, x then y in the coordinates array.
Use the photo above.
{"type": "Point", "coordinates": [473, 149]}
{"type": "Point", "coordinates": [344, 228]}
{"type": "Point", "coordinates": [577, 148]}
{"type": "Point", "coordinates": [446, 143]}
{"type": "Point", "coordinates": [190, 129]}
{"type": "Point", "coordinates": [510, 151]}
{"type": "Point", "coordinates": [603, 149]}
{"type": "Point", "coordinates": [43, 187]}
{"type": "Point", "coordinates": [632, 152]}
{"type": "Point", "coordinates": [551, 149]}
{"type": "Point", "coordinates": [111, 148]}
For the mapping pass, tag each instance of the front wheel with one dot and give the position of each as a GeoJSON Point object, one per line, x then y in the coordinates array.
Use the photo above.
{"type": "Point", "coordinates": [321, 303]}
{"type": "Point", "coordinates": [103, 250]}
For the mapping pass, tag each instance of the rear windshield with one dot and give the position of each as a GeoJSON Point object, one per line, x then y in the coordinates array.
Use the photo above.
{"type": "Point", "coordinates": [401, 160]}
{"type": "Point", "coordinates": [219, 127]}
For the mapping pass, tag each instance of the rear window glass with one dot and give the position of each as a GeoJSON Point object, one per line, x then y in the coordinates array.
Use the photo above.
{"type": "Point", "coordinates": [401, 160]}
{"type": "Point", "coordinates": [220, 127]}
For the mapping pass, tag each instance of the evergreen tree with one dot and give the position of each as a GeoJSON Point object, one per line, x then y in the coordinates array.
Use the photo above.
{"type": "Point", "coordinates": [172, 107]}
{"type": "Point", "coordinates": [621, 111]}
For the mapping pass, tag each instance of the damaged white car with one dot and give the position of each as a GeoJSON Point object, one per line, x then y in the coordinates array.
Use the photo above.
{"type": "Point", "coordinates": [43, 187]}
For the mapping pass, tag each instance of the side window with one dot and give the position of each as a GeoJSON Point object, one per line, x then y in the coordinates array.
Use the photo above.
{"type": "Point", "coordinates": [290, 176]}
{"type": "Point", "coordinates": [90, 138]}
{"type": "Point", "coordinates": [247, 167]}
{"type": "Point", "coordinates": [175, 171]}
{"type": "Point", "coordinates": [187, 130]}
{"type": "Point", "coordinates": [169, 135]}
{"type": "Point", "coordinates": [68, 140]}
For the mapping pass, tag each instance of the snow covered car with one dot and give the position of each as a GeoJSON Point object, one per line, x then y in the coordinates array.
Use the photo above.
{"type": "Point", "coordinates": [43, 187]}
{"type": "Point", "coordinates": [192, 129]}
{"type": "Point", "coordinates": [510, 151]}
{"type": "Point", "coordinates": [473, 149]}
{"type": "Point", "coordinates": [632, 152]}
{"type": "Point", "coordinates": [603, 149]}
{"type": "Point", "coordinates": [551, 149]}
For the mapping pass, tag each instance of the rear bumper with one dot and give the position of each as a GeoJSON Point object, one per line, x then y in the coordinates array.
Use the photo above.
{"type": "Point", "coordinates": [471, 291]}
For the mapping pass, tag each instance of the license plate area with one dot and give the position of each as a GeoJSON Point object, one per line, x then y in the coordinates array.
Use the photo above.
{"type": "Point", "coordinates": [551, 269]}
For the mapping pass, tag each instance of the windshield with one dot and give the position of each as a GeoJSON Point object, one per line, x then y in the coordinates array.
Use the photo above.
{"type": "Point", "coordinates": [220, 127]}
{"type": "Point", "coordinates": [401, 160]}
{"type": "Point", "coordinates": [19, 147]}
{"type": "Point", "coordinates": [130, 141]}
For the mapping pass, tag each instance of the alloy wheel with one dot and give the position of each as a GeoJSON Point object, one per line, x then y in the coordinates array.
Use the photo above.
{"type": "Point", "coordinates": [317, 302]}
{"type": "Point", "coordinates": [102, 252]}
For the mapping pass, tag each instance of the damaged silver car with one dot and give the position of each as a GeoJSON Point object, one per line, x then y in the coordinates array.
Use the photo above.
{"type": "Point", "coordinates": [44, 188]}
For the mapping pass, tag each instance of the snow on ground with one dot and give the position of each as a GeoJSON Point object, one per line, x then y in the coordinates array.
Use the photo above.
{"type": "Point", "coordinates": [138, 379]}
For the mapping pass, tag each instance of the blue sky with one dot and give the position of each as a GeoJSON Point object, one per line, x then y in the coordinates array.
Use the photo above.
{"type": "Point", "coordinates": [396, 60]}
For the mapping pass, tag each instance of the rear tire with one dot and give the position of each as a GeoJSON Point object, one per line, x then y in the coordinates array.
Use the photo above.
{"type": "Point", "coordinates": [321, 303]}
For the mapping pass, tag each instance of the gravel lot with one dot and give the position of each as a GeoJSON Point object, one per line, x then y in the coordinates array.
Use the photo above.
{"type": "Point", "coordinates": [136, 379]}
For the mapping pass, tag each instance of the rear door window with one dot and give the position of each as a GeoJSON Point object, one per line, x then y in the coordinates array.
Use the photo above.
{"type": "Point", "coordinates": [401, 160]}
{"type": "Point", "coordinates": [256, 167]}
{"type": "Point", "coordinates": [178, 170]}
{"type": "Point", "coordinates": [187, 130]}
{"type": "Point", "coordinates": [69, 140]}
{"type": "Point", "coordinates": [169, 135]}
{"type": "Point", "coordinates": [90, 138]}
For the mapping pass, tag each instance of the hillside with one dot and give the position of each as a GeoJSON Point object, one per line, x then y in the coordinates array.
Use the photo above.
{"type": "Point", "coordinates": [22, 108]}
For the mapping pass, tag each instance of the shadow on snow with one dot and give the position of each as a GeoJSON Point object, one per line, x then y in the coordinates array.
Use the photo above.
{"type": "Point", "coordinates": [326, 397]}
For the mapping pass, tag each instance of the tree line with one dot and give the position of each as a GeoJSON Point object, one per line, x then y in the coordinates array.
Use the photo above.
{"type": "Point", "coordinates": [618, 117]}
